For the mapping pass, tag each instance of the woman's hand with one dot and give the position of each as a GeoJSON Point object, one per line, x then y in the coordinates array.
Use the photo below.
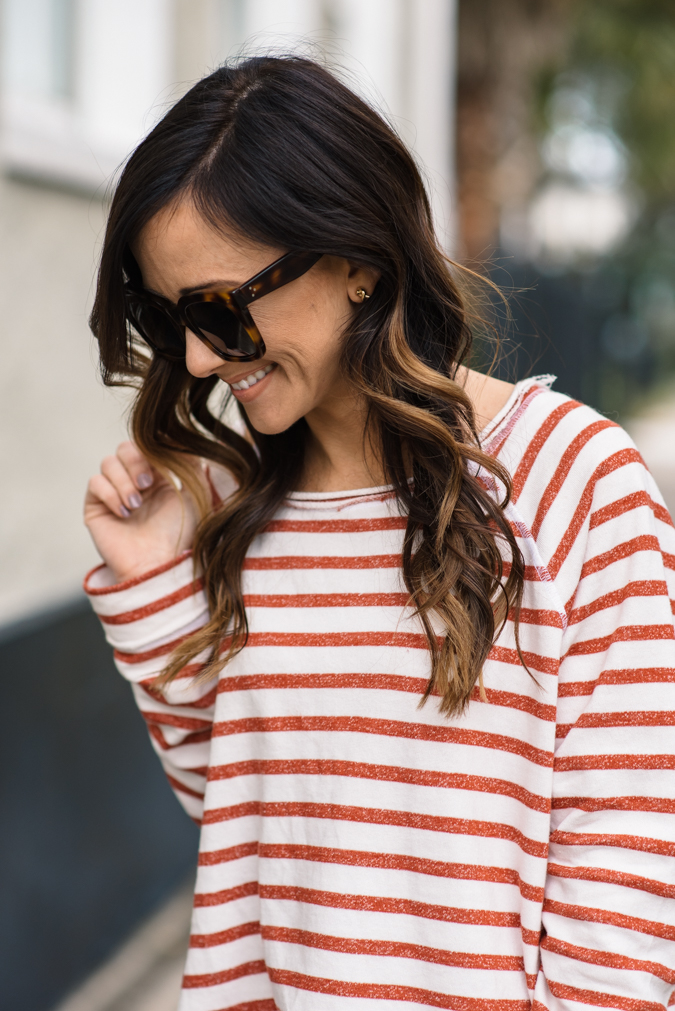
{"type": "Point", "coordinates": [137, 519]}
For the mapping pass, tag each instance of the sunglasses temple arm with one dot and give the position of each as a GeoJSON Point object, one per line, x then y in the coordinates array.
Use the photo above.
{"type": "Point", "coordinates": [284, 270]}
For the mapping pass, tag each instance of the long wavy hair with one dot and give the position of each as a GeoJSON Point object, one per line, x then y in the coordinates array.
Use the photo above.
{"type": "Point", "coordinates": [283, 152]}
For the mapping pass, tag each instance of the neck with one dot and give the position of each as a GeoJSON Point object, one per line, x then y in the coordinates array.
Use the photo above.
{"type": "Point", "coordinates": [339, 455]}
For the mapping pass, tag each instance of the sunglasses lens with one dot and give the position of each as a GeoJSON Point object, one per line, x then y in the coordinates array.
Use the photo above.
{"type": "Point", "coordinates": [221, 327]}
{"type": "Point", "coordinates": [157, 328]}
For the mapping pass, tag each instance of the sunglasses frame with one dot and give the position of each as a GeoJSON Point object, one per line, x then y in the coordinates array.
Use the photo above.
{"type": "Point", "coordinates": [284, 270]}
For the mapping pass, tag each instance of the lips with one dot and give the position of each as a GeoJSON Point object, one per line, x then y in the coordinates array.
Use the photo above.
{"type": "Point", "coordinates": [253, 378]}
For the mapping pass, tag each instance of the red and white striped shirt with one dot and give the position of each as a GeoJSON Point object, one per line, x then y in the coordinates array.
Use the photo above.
{"type": "Point", "coordinates": [360, 851]}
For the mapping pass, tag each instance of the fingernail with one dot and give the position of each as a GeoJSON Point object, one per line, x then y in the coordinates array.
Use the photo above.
{"type": "Point", "coordinates": [135, 500]}
{"type": "Point", "coordinates": [144, 480]}
{"type": "Point", "coordinates": [125, 512]}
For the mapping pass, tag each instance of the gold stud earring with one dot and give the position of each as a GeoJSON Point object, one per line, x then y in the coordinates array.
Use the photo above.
{"type": "Point", "coordinates": [362, 294]}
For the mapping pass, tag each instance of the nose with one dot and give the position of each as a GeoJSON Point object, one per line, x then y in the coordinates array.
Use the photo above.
{"type": "Point", "coordinates": [199, 359]}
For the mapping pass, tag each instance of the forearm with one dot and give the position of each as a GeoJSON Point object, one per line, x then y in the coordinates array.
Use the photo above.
{"type": "Point", "coordinates": [144, 619]}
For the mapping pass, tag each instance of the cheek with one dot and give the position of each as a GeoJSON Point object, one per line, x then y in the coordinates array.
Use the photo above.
{"type": "Point", "coordinates": [309, 333]}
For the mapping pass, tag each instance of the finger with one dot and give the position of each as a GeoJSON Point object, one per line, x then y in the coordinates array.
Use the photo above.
{"type": "Point", "coordinates": [114, 470]}
{"type": "Point", "coordinates": [139, 469]}
{"type": "Point", "coordinates": [100, 489]}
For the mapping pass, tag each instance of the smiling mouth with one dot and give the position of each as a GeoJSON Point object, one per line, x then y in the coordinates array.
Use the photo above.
{"type": "Point", "coordinates": [255, 377]}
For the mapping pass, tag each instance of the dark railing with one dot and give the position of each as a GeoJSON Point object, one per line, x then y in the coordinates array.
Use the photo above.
{"type": "Point", "coordinates": [92, 837]}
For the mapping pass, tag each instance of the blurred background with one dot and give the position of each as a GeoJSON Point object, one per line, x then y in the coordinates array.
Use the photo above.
{"type": "Point", "coordinates": [546, 132]}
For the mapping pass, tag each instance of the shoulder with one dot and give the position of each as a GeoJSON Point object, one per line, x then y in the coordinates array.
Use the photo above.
{"type": "Point", "coordinates": [579, 482]}
{"type": "Point", "coordinates": [552, 444]}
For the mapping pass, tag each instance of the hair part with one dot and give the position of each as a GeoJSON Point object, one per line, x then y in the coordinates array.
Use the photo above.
{"type": "Point", "coordinates": [283, 152]}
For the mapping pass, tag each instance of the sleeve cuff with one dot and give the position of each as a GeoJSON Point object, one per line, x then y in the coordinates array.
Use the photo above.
{"type": "Point", "coordinates": [141, 613]}
{"type": "Point", "coordinates": [101, 580]}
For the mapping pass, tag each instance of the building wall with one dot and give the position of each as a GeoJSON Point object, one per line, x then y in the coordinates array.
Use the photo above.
{"type": "Point", "coordinates": [56, 417]}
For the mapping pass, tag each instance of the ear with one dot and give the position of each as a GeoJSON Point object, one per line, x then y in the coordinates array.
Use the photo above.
{"type": "Point", "coordinates": [361, 279]}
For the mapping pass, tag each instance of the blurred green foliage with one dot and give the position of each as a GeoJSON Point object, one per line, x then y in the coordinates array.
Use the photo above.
{"type": "Point", "coordinates": [620, 55]}
{"type": "Point", "coordinates": [633, 43]}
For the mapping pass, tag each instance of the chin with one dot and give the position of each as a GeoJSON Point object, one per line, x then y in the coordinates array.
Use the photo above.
{"type": "Point", "coordinates": [271, 425]}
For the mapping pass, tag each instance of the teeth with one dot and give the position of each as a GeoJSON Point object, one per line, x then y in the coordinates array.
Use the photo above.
{"type": "Point", "coordinates": [245, 384]}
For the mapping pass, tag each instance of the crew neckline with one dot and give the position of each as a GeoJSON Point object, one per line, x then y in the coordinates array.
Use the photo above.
{"type": "Point", "coordinates": [490, 430]}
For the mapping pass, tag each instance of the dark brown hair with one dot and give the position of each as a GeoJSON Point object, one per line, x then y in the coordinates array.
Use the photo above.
{"type": "Point", "coordinates": [282, 151]}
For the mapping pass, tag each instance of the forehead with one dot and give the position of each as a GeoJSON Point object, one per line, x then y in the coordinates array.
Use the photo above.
{"type": "Point", "coordinates": [178, 248]}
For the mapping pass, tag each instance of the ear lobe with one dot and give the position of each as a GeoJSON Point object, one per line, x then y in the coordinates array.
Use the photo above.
{"type": "Point", "coordinates": [361, 283]}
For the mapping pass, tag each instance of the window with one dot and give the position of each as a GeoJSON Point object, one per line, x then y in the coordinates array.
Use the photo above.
{"type": "Point", "coordinates": [78, 79]}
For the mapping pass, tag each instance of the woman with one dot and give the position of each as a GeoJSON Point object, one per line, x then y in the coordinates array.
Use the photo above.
{"type": "Point", "coordinates": [405, 646]}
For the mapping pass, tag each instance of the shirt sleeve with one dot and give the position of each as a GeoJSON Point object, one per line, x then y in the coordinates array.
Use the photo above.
{"type": "Point", "coordinates": [144, 619]}
{"type": "Point", "coordinates": [609, 910]}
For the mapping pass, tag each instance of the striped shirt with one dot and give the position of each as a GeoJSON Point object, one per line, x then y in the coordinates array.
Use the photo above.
{"type": "Point", "coordinates": [359, 850]}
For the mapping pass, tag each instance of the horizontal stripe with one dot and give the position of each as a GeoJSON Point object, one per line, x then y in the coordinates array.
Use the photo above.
{"type": "Point", "coordinates": [401, 862]}
{"type": "Point", "coordinates": [387, 904]}
{"type": "Point", "coordinates": [127, 584]}
{"type": "Point", "coordinates": [393, 949]}
{"type": "Point", "coordinates": [321, 680]}
{"type": "Point", "coordinates": [199, 737]}
{"type": "Point", "coordinates": [636, 923]}
{"type": "Point", "coordinates": [636, 500]}
{"type": "Point", "coordinates": [326, 599]}
{"type": "Point", "coordinates": [312, 640]}
{"type": "Point", "coordinates": [126, 617]}
{"type": "Point", "coordinates": [637, 588]}
{"type": "Point", "coordinates": [182, 788]}
{"type": "Point", "coordinates": [611, 877]}
{"type": "Point", "coordinates": [380, 816]}
{"type": "Point", "coordinates": [173, 720]}
{"type": "Point", "coordinates": [158, 695]}
{"type": "Point", "coordinates": [607, 958]}
{"type": "Point", "coordinates": [598, 999]}
{"type": "Point", "coordinates": [392, 992]}
{"type": "Point", "coordinates": [644, 542]}
{"type": "Point", "coordinates": [638, 718]}
{"type": "Point", "coordinates": [629, 676]}
{"type": "Point", "coordinates": [385, 773]}
{"type": "Point", "coordinates": [628, 842]}
{"type": "Point", "coordinates": [205, 899]}
{"type": "Point", "coordinates": [376, 682]}
{"type": "Point", "coordinates": [252, 1005]}
{"type": "Point", "coordinates": [208, 858]}
{"type": "Point", "coordinates": [225, 936]}
{"type": "Point", "coordinates": [364, 525]}
{"type": "Point", "coordinates": [445, 734]}
{"type": "Point", "coordinates": [580, 763]}
{"type": "Point", "coordinates": [142, 656]}
{"type": "Point", "coordinates": [542, 664]}
{"type": "Point", "coordinates": [627, 633]}
{"type": "Point", "coordinates": [662, 805]}
{"type": "Point", "coordinates": [225, 976]}
{"type": "Point", "coordinates": [269, 562]}
{"type": "Point", "coordinates": [537, 616]}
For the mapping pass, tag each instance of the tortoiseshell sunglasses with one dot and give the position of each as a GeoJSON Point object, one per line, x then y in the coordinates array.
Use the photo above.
{"type": "Point", "coordinates": [219, 318]}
